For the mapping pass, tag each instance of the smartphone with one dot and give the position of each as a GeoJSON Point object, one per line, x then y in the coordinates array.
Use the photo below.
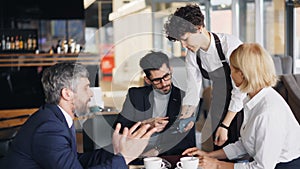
{"type": "Point", "coordinates": [184, 122]}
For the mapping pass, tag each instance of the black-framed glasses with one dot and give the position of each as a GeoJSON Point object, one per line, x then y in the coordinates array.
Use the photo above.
{"type": "Point", "coordinates": [166, 77]}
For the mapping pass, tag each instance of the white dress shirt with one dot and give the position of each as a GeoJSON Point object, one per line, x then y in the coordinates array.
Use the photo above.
{"type": "Point", "coordinates": [270, 132]}
{"type": "Point", "coordinates": [67, 117]}
{"type": "Point", "coordinates": [211, 61]}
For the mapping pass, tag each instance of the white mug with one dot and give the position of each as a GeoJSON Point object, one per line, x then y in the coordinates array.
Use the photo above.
{"type": "Point", "coordinates": [188, 163]}
{"type": "Point", "coordinates": [154, 163]}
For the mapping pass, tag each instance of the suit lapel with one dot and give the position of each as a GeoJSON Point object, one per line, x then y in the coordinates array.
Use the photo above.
{"type": "Point", "coordinates": [58, 113]}
{"type": "Point", "coordinates": [148, 102]}
{"type": "Point", "coordinates": [174, 105]}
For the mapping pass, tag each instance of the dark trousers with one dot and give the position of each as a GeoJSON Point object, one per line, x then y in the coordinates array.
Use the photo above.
{"type": "Point", "coordinates": [294, 164]}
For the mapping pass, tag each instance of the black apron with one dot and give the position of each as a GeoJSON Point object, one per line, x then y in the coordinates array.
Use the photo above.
{"type": "Point", "coordinates": [221, 96]}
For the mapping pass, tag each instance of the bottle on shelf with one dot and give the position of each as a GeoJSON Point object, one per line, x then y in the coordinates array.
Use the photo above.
{"type": "Point", "coordinates": [34, 42]}
{"type": "Point", "coordinates": [25, 46]}
{"type": "Point", "coordinates": [65, 45]}
{"type": "Point", "coordinates": [58, 47]}
{"type": "Point", "coordinates": [29, 42]}
{"type": "Point", "coordinates": [3, 42]}
{"type": "Point", "coordinates": [21, 45]}
{"type": "Point", "coordinates": [7, 43]}
{"type": "Point", "coordinates": [17, 43]}
{"type": "Point", "coordinates": [77, 48]}
{"type": "Point", "coordinates": [12, 43]}
{"type": "Point", "coordinates": [72, 45]}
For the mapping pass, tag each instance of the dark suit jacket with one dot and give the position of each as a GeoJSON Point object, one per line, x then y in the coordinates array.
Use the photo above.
{"type": "Point", "coordinates": [138, 106]}
{"type": "Point", "coordinates": [46, 141]}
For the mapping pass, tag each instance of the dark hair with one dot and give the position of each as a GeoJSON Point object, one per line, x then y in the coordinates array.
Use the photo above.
{"type": "Point", "coordinates": [153, 61]}
{"type": "Point", "coordinates": [185, 19]}
{"type": "Point", "coordinates": [59, 76]}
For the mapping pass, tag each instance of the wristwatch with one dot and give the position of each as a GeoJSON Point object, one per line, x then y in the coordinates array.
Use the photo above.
{"type": "Point", "coordinates": [224, 126]}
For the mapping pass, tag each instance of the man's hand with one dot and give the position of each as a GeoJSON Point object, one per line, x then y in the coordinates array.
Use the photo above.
{"type": "Point", "coordinates": [116, 139]}
{"type": "Point", "coordinates": [158, 122]}
{"type": "Point", "coordinates": [132, 142]}
{"type": "Point", "coordinates": [221, 136]}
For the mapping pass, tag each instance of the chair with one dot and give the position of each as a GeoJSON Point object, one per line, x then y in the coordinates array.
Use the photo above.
{"type": "Point", "coordinates": [10, 122]}
{"type": "Point", "coordinates": [283, 64]}
{"type": "Point", "coordinates": [292, 85]}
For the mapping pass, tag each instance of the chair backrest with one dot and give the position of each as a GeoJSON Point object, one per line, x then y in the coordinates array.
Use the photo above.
{"type": "Point", "coordinates": [289, 88]}
{"type": "Point", "coordinates": [10, 123]}
{"type": "Point", "coordinates": [283, 64]}
{"type": "Point", "coordinates": [292, 85]}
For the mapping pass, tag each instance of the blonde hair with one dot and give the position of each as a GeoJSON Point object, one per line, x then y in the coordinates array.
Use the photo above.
{"type": "Point", "coordinates": [256, 65]}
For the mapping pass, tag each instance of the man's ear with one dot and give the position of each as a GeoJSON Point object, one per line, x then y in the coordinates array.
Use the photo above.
{"type": "Point", "coordinates": [67, 94]}
{"type": "Point", "coordinates": [147, 80]}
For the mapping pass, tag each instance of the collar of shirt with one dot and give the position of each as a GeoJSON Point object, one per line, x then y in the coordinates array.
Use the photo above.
{"type": "Point", "coordinates": [212, 46]}
{"type": "Point", "coordinates": [160, 104]}
{"type": "Point", "coordinates": [160, 96]}
{"type": "Point", "coordinates": [250, 103]}
{"type": "Point", "coordinates": [67, 117]}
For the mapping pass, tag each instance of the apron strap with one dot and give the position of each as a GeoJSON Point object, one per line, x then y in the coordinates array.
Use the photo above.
{"type": "Point", "coordinates": [221, 56]}
{"type": "Point", "coordinates": [225, 64]}
{"type": "Point", "coordinates": [226, 71]}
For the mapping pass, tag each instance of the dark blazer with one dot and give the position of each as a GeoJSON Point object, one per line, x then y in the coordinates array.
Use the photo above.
{"type": "Point", "coordinates": [138, 106]}
{"type": "Point", "coordinates": [46, 141]}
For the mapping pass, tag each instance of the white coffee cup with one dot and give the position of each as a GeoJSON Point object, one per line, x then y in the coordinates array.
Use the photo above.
{"type": "Point", "coordinates": [188, 163]}
{"type": "Point", "coordinates": [154, 163]}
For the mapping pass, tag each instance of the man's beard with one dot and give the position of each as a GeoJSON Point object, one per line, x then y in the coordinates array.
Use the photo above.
{"type": "Point", "coordinates": [81, 111]}
{"type": "Point", "coordinates": [160, 90]}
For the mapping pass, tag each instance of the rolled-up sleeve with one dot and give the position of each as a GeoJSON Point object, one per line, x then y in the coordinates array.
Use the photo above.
{"type": "Point", "coordinates": [194, 80]}
{"type": "Point", "coordinates": [235, 150]}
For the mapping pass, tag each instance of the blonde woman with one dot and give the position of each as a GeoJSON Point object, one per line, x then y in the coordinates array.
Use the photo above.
{"type": "Point", "coordinates": [270, 133]}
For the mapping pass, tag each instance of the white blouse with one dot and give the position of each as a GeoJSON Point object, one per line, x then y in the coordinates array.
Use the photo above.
{"type": "Point", "coordinates": [270, 132]}
{"type": "Point", "coordinates": [210, 61]}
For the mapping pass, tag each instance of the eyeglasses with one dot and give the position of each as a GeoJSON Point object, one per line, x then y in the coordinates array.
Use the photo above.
{"type": "Point", "coordinates": [157, 81]}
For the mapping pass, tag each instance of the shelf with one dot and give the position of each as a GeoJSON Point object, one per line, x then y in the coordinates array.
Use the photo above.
{"type": "Point", "coordinates": [46, 59]}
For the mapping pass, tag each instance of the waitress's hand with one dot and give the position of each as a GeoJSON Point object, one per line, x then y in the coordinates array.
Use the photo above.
{"type": "Point", "coordinates": [187, 111]}
{"type": "Point", "coordinates": [221, 136]}
{"type": "Point", "coordinates": [189, 126]}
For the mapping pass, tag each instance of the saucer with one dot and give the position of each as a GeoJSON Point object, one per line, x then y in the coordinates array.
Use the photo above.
{"type": "Point", "coordinates": [180, 168]}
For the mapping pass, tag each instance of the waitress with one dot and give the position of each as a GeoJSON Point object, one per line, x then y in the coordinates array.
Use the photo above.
{"type": "Point", "coordinates": [207, 57]}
